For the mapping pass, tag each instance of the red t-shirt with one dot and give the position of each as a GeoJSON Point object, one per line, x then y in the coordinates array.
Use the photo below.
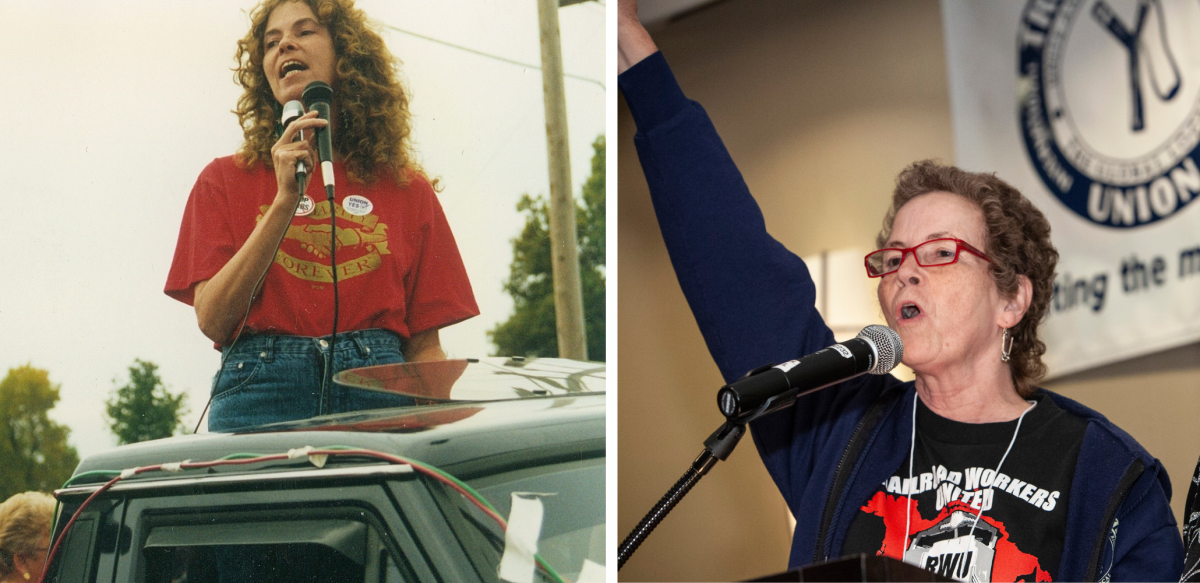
{"type": "Point", "coordinates": [398, 266]}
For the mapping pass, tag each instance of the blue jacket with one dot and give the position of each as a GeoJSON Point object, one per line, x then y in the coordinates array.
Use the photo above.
{"type": "Point", "coordinates": [755, 304]}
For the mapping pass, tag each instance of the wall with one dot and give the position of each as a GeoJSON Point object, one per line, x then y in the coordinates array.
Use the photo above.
{"type": "Point", "coordinates": [821, 103]}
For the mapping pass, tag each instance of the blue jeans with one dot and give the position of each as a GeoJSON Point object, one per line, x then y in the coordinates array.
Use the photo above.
{"type": "Point", "coordinates": [267, 379]}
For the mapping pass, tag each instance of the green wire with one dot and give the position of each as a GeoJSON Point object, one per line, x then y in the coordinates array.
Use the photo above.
{"type": "Point", "coordinates": [113, 473]}
{"type": "Point", "coordinates": [479, 497]}
{"type": "Point", "coordinates": [234, 456]}
{"type": "Point", "coordinates": [105, 473]}
{"type": "Point", "coordinates": [241, 456]}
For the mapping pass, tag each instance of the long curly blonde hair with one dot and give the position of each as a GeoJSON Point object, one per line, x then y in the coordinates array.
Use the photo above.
{"type": "Point", "coordinates": [373, 122]}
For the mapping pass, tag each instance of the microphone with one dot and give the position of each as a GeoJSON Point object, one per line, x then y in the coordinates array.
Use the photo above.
{"type": "Point", "coordinates": [876, 350]}
{"type": "Point", "coordinates": [318, 95]}
{"type": "Point", "coordinates": [291, 111]}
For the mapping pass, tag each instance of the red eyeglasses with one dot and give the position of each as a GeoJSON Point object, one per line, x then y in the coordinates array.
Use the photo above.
{"type": "Point", "coordinates": [932, 253]}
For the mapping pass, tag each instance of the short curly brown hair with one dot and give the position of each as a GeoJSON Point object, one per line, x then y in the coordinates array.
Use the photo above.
{"type": "Point", "coordinates": [1018, 243]}
{"type": "Point", "coordinates": [24, 527]}
{"type": "Point", "coordinates": [373, 122]}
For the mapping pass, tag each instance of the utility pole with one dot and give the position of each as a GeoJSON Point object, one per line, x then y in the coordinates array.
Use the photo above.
{"type": "Point", "coordinates": [564, 250]}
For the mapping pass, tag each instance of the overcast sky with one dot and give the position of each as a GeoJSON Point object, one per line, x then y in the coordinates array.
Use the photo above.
{"type": "Point", "coordinates": [112, 110]}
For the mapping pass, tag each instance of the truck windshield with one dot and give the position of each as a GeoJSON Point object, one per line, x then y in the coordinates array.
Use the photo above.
{"type": "Point", "coordinates": [286, 550]}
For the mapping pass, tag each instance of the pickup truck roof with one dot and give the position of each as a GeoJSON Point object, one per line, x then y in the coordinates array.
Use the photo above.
{"type": "Point", "coordinates": [262, 500]}
{"type": "Point", "coordinates": [463, 438]}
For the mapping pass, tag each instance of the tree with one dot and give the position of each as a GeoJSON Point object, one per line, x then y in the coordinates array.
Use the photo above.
{"type": "Point", "coordinates": [34, 452]}
{"type": "Point", "coordinates": [143, 409]}
{"type": "Point", "coordinates": [530, 331]}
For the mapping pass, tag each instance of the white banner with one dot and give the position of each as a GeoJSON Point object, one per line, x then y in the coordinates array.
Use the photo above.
{"type": "Point", "coordinates": [1092, 109]}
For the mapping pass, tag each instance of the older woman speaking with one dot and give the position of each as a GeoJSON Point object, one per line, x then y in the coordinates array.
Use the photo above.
{"type": "Point", "coordinates": [970, 471]}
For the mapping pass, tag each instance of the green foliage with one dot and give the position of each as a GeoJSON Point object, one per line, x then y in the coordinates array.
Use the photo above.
{"type": "Point", "coordinates": [34, 452]}
{"type": "Point", "coordinates": [143, 409]}
{"type": "Point", "coordinates": [531, 330]}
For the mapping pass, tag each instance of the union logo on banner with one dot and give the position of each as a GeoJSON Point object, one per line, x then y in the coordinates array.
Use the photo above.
{"type": "Point", "coordinates": [1109, 106]}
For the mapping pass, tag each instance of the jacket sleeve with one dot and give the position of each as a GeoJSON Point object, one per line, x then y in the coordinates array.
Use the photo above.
{"type": "Point", "coordinates": [753, 299]}
{"type": "Point", "coordinates": [1143, 542]}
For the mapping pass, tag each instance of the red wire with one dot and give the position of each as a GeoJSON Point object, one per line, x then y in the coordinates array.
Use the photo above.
{"type": "Point", "coordinates": [189, 465]}
{"type": "Point", "coordinates": [437, 476]}
{"type": "Point", "coordinates": [63, 534]}
{"type": "Point", "coordinates": [424, 470]}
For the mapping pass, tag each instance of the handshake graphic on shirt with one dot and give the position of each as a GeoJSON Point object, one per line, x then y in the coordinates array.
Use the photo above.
{"type": "Point", "coordinates": [314, 238]}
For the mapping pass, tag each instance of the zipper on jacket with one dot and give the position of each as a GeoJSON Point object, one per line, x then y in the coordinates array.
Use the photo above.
{"type": "Point", "coordinates": [841, 474]}
{"type": "Point", "coordinates": [1131, 476]}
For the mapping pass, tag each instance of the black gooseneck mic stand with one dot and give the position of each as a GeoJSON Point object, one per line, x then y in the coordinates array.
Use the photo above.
{"type": "Point", "coordinates": [718, 446]}
{"type": "Point", "coordinates": [876, 350]}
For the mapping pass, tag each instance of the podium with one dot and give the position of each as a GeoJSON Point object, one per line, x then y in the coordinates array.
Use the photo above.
{"type": "Point", "coordinates": [861, 567]}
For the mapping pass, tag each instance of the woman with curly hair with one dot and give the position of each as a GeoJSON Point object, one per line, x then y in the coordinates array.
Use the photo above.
{"type": "Point", "coordinates": [970, 470]}
{"type": "Point", "coordinates": [398, 271]}
{"type": "Point", "coordinates": [24, 536]}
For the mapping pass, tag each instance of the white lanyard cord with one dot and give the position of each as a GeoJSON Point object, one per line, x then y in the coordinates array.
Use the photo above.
{"type": "Point", "coordinates": [912, 448]}
{"type": "Point", "coordinates": [1032, 404]}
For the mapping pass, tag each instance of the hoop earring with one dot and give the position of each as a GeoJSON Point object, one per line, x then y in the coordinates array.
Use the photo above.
{"type": "Point", "coordinates": [1006, 353]}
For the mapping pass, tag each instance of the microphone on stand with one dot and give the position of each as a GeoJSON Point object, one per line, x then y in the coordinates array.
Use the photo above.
{"type": "Point", "coordinates": [876, 350]}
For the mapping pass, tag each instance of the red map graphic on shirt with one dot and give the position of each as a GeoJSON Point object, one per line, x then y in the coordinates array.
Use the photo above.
{"type": "Point", "coordinates": [1010, 563]}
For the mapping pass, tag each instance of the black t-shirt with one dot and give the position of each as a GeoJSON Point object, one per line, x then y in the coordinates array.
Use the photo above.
{"type": "Point", "coordinates": [1019, 536]}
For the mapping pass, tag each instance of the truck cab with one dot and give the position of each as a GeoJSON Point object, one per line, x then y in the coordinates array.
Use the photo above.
{"type": "Point", "coordinates": [454, 489]}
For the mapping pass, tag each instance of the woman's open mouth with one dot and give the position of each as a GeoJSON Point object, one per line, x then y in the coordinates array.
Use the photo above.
{"type": "Point", "coordinates": [909, 311]}
{"type": "Point", "coordinates": [292, 67]}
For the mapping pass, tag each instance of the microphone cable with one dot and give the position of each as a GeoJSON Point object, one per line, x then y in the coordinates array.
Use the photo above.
{"type": "Point", "coordinates": [318, 96]}
{"type": "Point", "coordinates": [327, 383]}
{"type": "Point", "coordinates": [302, 186]}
